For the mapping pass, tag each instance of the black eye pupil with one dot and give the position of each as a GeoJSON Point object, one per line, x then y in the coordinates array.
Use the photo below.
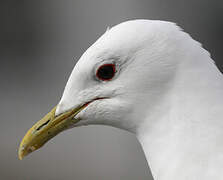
{"type": "Point", "coordinates": [106, 72]}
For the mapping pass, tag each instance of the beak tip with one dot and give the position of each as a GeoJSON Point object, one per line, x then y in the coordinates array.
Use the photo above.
{"type": "Point", "coordinates": [25, 150]}
{"type": "Point", "coordinates": [20, 155]}
{"type": "Point", "coordinates": [22, 152]}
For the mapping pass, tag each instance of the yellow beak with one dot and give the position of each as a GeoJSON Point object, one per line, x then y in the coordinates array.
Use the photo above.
{"type": "Point", "coordinates": [45, 129]}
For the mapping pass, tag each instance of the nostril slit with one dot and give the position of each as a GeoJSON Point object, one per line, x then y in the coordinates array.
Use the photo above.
{"type": "Point", "coordinates": [43, 125]}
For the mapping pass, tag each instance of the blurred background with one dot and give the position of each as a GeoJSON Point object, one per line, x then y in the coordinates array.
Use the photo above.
{"type": "Point", "coordinates": [40, 42]}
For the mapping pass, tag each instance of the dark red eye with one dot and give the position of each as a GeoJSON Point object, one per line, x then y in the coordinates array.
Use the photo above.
{"type": "Point", "coordinates": [106, 72]}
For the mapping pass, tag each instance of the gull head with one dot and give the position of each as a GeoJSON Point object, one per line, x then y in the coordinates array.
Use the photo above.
{"type": "Point", "coordinates": [118, 81]}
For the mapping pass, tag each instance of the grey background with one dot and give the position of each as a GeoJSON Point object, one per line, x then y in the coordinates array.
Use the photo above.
{"type": "Point", "coordinates": [40, 42]}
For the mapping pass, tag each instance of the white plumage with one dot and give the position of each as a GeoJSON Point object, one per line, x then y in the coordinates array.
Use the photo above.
{"type": "Point", "coordinates": [166, 90]}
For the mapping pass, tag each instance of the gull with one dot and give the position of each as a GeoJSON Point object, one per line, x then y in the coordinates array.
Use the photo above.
{"type": "Point", "coordinates": [152, 79]}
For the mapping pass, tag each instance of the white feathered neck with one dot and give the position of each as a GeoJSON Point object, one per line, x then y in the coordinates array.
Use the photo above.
{"type": "Point", "coordinates": [184, 142]}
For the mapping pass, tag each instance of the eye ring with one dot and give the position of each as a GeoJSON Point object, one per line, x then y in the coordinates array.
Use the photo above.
{"type": "Point", "coordinates": [106, 72]}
